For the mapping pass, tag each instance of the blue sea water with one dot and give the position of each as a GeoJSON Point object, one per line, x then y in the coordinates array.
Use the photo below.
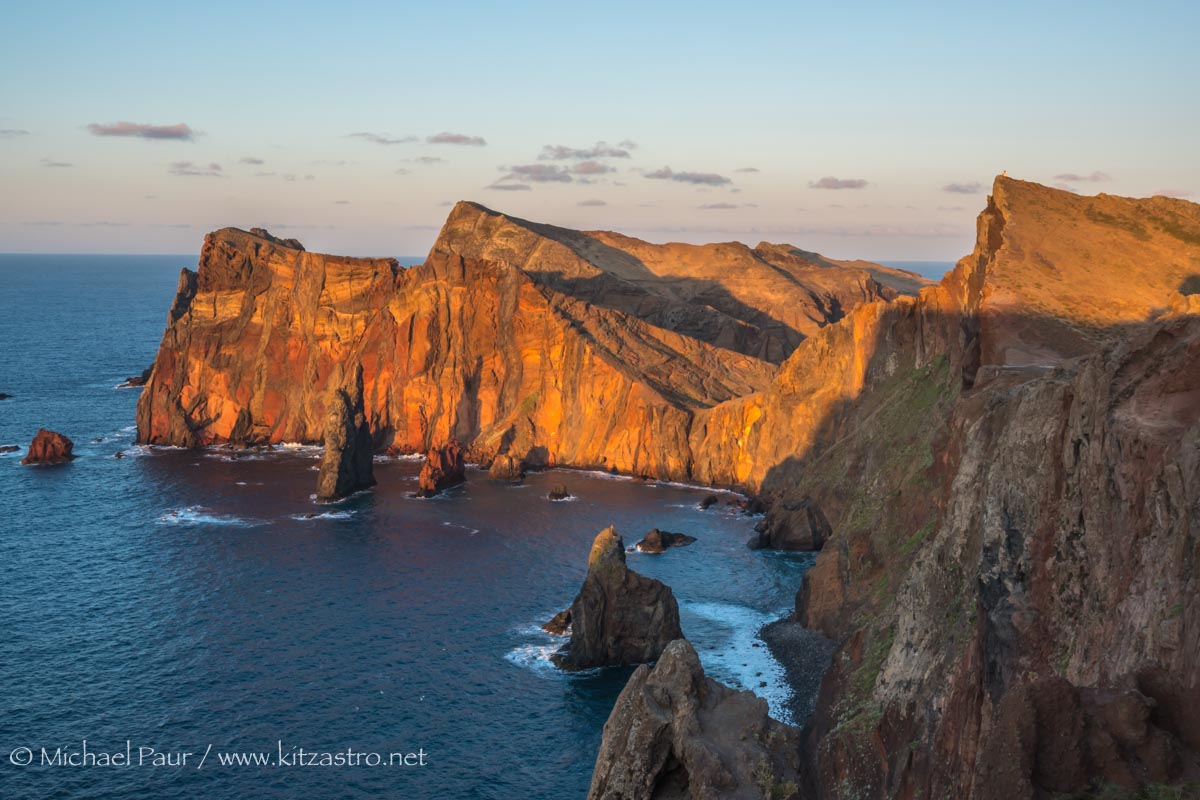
{"type": "Point", "coordinates": [934, 270]}
{"type": "Point", "coordinates": [181, 599]}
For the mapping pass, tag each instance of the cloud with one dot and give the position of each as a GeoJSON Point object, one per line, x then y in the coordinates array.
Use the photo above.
{"type": "Point", "coordinates": [509, 187]}
{"type": "Point", "coordinates": [251, 160]}
{"type": "Point", "coordinates": [830, 182]}
{"type": "Point", "coordinates": [403, 171]}
{"type": "Point", "coordinates": [592, 168]}
{"type": "Point", "coordinates": [747, 169]}
{"type": "Point", "coordinates": [12, 133]}
{"type": "Point", "coordinates": [425, 160]}
{"type": "Point", "coordinates": [718, 206]}
{"type": "Point", "coordinates": [1173, 193]}
{"type": "Point", "coordinates": [381, 138]}
{"type": "Point", "coordinates": [538, 173]}
{"type": "Point", "coordinates": [628, 144]}
{"type": "Point", "coordinates": [591, 203]}
{"type": "Point", "coordinates": [341, 202]}
{"type": "Point", "coordinates": [265, 174]}
{"type": "Point", "coordinates": [700, 178]}
{"type": "Point", "coordinates": [456, 138]}
{"type": "Point", "coordinates": [1095, 177]}
{"type": "Point", "coordinates": [971, 187]}
{"type": "Point", "coordinates": [560, 152]}
{"type": "Point", "coordinates": [49, 162]}
{"type": "Point", "coordinates": [141, 130]}
{"type": "Point", "coordinates": [212, 170]}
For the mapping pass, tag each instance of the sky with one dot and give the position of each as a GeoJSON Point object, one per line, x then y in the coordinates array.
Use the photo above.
{"type": "Point", "coordinates": [856, 129]}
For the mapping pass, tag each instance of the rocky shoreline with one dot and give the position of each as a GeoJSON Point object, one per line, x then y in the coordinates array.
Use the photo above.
{"type": "Point", "coordinates": [804, 655]}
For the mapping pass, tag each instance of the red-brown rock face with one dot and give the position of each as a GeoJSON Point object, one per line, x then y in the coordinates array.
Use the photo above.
{"type": "Point", "coordinates": [49, 447]}
{"type": "Point", "coordinates": [554, 346]}
{"type": "Point", "coordinates": [444, 467]}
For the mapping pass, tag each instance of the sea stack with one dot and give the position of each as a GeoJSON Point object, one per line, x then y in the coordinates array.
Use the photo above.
{"type": "Point", "coordinates": [49, 447]}
{"type": "Point", "coordinates": [444, 467]}
{"type": "Point", "coordinates": [347, 464]}
{"type": "Point", "coordinates": [619, 617]}
{"type": "Point", "coordinates": [674, 732]}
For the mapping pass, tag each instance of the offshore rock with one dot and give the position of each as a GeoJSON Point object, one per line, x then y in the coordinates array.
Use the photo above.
{"type": "Point", "coordinates": [506, 467]}
{"type": "Point", "coordinates": [619, 617]}
{"type": "Point", "coordinates": [347, 465]}
{"type": "Point", "coordinates": [49, 447]}
{"type": "Point", "coordinates": [136, 381]}
{"type": "Point", "coordinates": [657, 541]}
{"type": "Point", "coordinates": [676, 733]}
{"type": "Point", "coordinates": [559, 624]}
{"type": "Point", "coordinates": [792, 525]}
{"type": "Point", "coordinates": [444, 467]}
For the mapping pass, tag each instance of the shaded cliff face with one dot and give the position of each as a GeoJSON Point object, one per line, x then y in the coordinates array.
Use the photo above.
{"type": "Point", "coordinates": [554, 346]}
{"type": "Point", "coordinates": [1010, 465]}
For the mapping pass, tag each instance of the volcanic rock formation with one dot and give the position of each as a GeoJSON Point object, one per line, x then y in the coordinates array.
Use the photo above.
{"type": "Point", "coordinates": [675, 733]}
{"type": "Point", "coordinates": [505, 467]}
{"type": "Point", "coordinates": [444, 467]}
{"type": "Point", "coordinates": [619, 617]}
{"type": "Point", "coordinates": [347, 465]}
{"type": "Point", "coordinates": [49, 447]}
{"type": "Point", "coordinates": [551, 345]}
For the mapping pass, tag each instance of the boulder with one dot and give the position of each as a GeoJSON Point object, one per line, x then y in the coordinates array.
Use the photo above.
{"type": "Point", "coordinates": [792, 525]}
{"type": "Point", "coordinates": [506, 467]}
{"type": "Point", "coordinates": [9, 448]}
{"type": "Point", "coordinates": [444, 467]}
{"type": "Point", "coordinates": [347, 465]}
{"type": "Point", "coordinates": [559, 624]}
{"type": "Point", "coordinates": [619, 617]}
{"type": "Point", "coordinates": [657, 541]}
{"type": "Point", "coordinates": [709, 501]}
{"type": "Point", "coordinates": [49, 447]}
{"type": "Point", "coordinates": [136, 381]}
{"type": "Point", "coordinates": [676, 733]}
{"type": "Point", "coordinates": [560, 492]}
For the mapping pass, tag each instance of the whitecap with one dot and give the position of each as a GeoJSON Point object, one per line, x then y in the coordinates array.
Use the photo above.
{"type": "Point", "coordinates": [198, 515]}
{"type": "Point", "coordinates": [470, 531]}
{"type": "Point", "coordinates": [735, 660]}
{"type": "Point", "coordinates": [309, 517]}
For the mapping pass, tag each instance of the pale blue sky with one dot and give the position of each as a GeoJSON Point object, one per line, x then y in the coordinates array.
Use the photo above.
{"type": "Point", "coordinates": [908, 98]}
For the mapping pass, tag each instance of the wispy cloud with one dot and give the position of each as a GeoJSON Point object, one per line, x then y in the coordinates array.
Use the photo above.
{"type": "Point", "coordinates": [142, 130]}
{"type": "Point", "coordinates": [12, 133]}
{"type": "Point", "coordinates": [830, 182]}
{"type": "Point", "coordinates": [592, 168]}
{"type": "Point", "coordinates": [747, 169]}
{"type": "Point", "coordinates": [425, 160]}
{"type": "Point", "coordinates": [971, 187]}
{"type": "Point", "coordinates": [718, 206]}
{"type": "Point", "coordinates": [456, 138]}
{"type": "Point", "coordinates": [381, 138]}
{"type": "Point", "coordinates": [700, 178]}
{"type": "Point", "coordinates": [591, 203]}
{"type": "Point", "coordinates": [251, 160]}
{"type": "Point", "coordinates": [49, 162]}
{"type": "Point", "coordinates": [211, 170]}
{"type": "Point", "coordinates": [1095, 177]}
{"type": "Point", "coordinates": [538, 173]}
{"type": "Point", "coordinates": [341, 202]}
{"type": "Point", "coordinates": [560, 152]}
{"type": "Point", "coordinates": [509, 187]}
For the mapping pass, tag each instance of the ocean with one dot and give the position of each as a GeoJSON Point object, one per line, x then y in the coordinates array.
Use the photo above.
{"type": "Point", "coordinates": [191, 602]}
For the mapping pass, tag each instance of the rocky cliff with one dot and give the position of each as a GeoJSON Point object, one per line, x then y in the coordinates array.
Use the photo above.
{"type": "Point", "coordinates": [550, 345]}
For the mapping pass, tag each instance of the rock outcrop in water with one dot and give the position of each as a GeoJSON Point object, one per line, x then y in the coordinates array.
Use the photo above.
{"type": "Point", "coordinates": [619, 617]}
{"type": "Point", "coordinates": [444, 467]}
{"type": "Point", "coordinates": [675, 733]}
{"type": "Point", "coordinates": [506, 467]}
{"type": "Point", "coordinates": [554, 346]}
{"type": "Point", "coordinates": [792, 524]}
{"type": "Point", "coordinates": [48, 447]}
{"type": "Point", "coordinates": [347, 465]}
{"type": "Point", "coordinates": [656, 541]}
